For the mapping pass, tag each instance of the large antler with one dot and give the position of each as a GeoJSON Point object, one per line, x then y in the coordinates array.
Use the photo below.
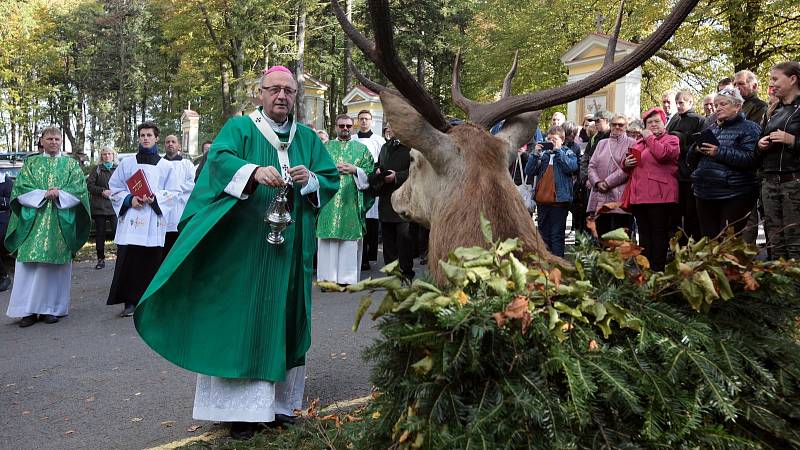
{"type": "Point", "coordinates": [382, 52]}
{"type": "Point", "coordinates": [487, 114]}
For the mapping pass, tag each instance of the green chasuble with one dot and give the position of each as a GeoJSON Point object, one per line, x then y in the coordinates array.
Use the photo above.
{"type": "Point", "coordinates": [48, 234]}
{"type": "Point", "coordinates": [343, 217]}
{"type": "Point", "coordinates": [225, 302]}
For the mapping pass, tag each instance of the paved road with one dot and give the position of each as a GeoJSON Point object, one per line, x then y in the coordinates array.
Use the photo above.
{"type": "Point", "coordinates": [90, 382]}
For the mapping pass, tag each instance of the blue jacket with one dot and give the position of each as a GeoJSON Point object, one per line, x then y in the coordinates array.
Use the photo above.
{"type": "Point", "coordinates": [731, 172]}
{"type": "Point", "coordinates": [565, 164]}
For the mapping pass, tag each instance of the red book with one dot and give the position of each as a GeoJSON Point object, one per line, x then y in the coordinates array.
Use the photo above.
{"type": "Point", "coordinates": [138, 185]}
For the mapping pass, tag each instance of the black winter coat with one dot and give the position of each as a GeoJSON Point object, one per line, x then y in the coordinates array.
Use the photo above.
{"type": "Point", "coordinates": [5, 206]}
{"type": "Point", "coordinates": [97, 183]}
{"type": "Point", "coordinates": [731, 172]}
{"type": "Point", "coordinates": [393, 156]}
{"type": "Point", "coordinates": [684, 126]}
{"type": "Point", "coordinates": [782, 158]}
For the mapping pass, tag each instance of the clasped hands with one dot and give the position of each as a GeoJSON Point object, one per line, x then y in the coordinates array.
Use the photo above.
{"type": "Point", "coordinates": [138, 202]}
{"type": "Point", "coordinates": [51, 193]}
{"type": "Point", "coordinates": [778, 137]}
{"type": "Point", "coordinates": [270, 176]}
{"type": "Point", "coordinates": [390, 175]}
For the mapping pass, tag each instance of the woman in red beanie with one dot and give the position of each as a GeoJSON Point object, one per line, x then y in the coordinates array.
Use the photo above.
{"type": "Point", "coordinates": [653, 163]}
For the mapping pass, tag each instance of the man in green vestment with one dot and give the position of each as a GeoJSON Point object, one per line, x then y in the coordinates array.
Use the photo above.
{"type": "Point", "coordinates": [49, 224]}
{"type": "Point", "coordinates": [341, 224]}
{"type": "Point", "coordinates": [226, 303]}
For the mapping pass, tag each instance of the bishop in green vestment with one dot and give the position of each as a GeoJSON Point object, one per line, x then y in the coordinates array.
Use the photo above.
{"type": "Point", "coordinates": [49, 223]}
{"type": "Point", "coordinates": [341, 223]}
{"type": "Point", "coordinates": [225, 303]}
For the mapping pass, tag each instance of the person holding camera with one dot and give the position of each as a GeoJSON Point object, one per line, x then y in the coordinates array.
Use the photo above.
{"type": "Point", "coordinates": [724, 176]}
{"type": "Point", "coordinates": [553, 169]}
{"type": "Point", "coordinates": [607, 177]}
{"type": "Point", "coordinates": [779, 148]}
{"type": "Point", "coordinates": [652, 165]}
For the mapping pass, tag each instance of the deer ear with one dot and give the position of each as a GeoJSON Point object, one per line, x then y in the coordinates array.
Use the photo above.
{"type": "Point", "coordinates": [518, 130]}
{"type": "Point", "coordinates": [414, 131]}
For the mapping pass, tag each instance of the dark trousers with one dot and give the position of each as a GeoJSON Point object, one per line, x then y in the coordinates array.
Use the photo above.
{"type": "Point", "coordinates": [782, 216]}
{"type": "Point", "coordinates": [611, 221]}
{"type": "Point", "coordinates": [419, 241]}
{"type": "Point", "coordinates": [169, 241]}
{"type": "Point", "coordinates": [686, 217]}
{"type": "Point", "coordinates": [552, 221]}
{"type": "Point", "coordinates": [398, 244]}
{"type": "Point", "coordinates": [370, 251]}
{"type": "Point", "coordinates": [653, 221]}
{"type": "Point", "coordinates": [101, 231]}
{"type": "Point", "coordinates": [716, 215]}
{"type": "Point", "coordinates": [750, 233]}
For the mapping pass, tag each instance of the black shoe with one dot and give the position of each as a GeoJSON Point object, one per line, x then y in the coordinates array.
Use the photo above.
{"type": "Point", "coordinates": [365, 266]}
{"type": "Point", "coordinates": [287, 421]}
{"type": "Point", "coordinates": [242, 431]}
{"type": "Point", "coordinates": [128, 311]}
{"type": "Point", "coordinates": [27, 321]}
{"type": "Point", "coordinates": [48, 318]}
{"type": "Point", "coordinates": [5, 283]}
{"type": "Point", "coordinates": [101, 263]}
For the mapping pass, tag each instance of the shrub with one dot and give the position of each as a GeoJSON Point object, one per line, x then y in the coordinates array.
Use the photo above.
{"type": "Point", "coordinates": [520, 355]}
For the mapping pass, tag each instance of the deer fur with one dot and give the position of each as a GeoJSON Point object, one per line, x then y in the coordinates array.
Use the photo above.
{"type": "Point", "coordinates": [456, 177]}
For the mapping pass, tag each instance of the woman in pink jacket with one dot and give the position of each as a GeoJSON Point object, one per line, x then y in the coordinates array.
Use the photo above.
{"type": "Point", "coordinates": [607, 177]}
{"type": "Point", "coordinates": [653, 165]}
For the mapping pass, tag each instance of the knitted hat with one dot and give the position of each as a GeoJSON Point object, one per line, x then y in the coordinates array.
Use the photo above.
{"type": "Point", "coordinates": [652, 111]}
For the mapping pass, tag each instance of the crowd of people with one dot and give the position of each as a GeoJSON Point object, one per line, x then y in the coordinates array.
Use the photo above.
{"type": "Point", "coordinates": [190, 239]}
{"type": "Point", "coordinates": [737, 165]}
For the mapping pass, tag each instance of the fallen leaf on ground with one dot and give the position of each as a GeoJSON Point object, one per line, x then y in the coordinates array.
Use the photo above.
{"type": "Point", "coordinates": [168, 423]}
{"type": "Point", "coordinates": [194, 428]}
{"type": "Point", "coordinates": [137, 419]}
{"type": "Point", "coordinates": [44, 417]}
{"type": "Point", "coordinates": [91, 399]}
{"type": "Point", "coordinates": [68, 432]}
{"type": "Point", "coordinates": [138, 393]}
{"type": "Point", "coordinates": [25, 413]}
{"type": "Point", "coordinates": [334, 418]}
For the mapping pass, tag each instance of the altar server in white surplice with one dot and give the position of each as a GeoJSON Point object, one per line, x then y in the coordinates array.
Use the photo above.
{"type": "Point", "coordinates": [183, 170]}
{"type": "Point", "coordinates": [374, 143]}
{"type": "Point", "coordinates": [141, 221]}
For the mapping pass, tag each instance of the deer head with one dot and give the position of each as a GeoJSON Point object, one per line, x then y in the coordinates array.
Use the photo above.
{"type": "Point", "coordinates": [460, 172]}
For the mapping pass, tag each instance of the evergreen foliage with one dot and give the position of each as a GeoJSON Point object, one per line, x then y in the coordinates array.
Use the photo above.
{"type": "Point", "coordinates": [610, 355]}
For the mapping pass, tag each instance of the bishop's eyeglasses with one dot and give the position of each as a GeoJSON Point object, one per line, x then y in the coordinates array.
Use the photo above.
{"type": "Point", "coordinates": [275, 90]}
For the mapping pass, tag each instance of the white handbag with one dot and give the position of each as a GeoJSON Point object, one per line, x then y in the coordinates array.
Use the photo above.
{"type": "Point", "coordinates": [525, 190]}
